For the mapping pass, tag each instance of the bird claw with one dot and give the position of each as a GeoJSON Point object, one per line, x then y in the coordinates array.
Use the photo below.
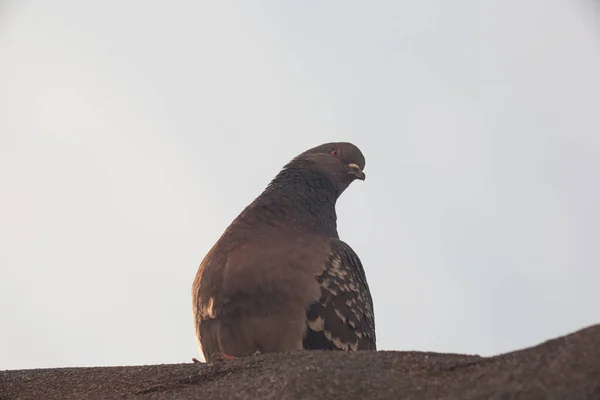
{"type": "Point", "coordinates": [222, 357]}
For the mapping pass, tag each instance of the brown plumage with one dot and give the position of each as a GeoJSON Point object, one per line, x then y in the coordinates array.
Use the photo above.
{"type": "Point", "coordinates": [279, 278]}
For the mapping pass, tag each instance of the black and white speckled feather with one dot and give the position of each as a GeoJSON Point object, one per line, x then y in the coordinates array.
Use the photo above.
{"type": "Point", "coordinates": [343, 318]}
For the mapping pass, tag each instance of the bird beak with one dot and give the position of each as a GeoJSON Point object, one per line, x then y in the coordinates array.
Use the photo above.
{"type": "Point", "coordinates": [355, 170]}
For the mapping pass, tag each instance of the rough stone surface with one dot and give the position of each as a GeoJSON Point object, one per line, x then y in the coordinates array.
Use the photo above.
{"type": "Point", "coordinates": [563, 368]}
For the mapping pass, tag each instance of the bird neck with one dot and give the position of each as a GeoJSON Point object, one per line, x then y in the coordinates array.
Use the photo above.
{"type": "Point", "coordinates": [305, 198]}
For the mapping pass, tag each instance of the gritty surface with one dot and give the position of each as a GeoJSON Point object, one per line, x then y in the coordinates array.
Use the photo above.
{"type": "Point", "coordinates": [563, 368]}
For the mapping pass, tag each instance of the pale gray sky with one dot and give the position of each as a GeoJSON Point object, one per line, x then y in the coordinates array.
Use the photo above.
{"type": "Point", "coordinates": [132, 133]}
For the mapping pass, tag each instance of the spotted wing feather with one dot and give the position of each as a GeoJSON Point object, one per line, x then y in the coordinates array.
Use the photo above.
{"type": "Point", "coordinates": [343, 318]}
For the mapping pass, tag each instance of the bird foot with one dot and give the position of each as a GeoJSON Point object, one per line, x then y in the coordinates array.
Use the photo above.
{"type": "Point", "coordinates": [194, 359]}
{"type": "Point", "coordinates": [222, 357]}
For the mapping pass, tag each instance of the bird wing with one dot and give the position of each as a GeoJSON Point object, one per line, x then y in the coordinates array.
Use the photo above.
{"type": "Point", "coordinates": [343, 317]}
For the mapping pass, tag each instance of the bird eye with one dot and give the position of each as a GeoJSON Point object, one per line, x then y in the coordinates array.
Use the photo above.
{"type": "Point", "coordinates": [335, 152]}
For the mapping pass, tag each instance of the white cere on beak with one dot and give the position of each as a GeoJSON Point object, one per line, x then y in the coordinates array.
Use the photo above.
{"type": "Point", "coordinates": [354, 166]}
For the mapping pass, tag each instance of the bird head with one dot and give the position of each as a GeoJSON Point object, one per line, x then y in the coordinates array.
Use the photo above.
{"type": "Point", "coordinates": [340, 162]}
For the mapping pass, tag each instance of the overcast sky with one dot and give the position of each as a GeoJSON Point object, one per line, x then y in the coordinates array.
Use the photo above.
{"type": "Point", "coordinates": [132, 133]}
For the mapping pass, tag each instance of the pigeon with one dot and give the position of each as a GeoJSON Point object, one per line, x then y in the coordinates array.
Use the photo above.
{"type": "Point", "coordinates": [279, 279]}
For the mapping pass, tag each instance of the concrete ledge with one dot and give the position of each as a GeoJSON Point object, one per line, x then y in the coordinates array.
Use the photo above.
{"type": "Point", "coordinates": [563, 368]}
